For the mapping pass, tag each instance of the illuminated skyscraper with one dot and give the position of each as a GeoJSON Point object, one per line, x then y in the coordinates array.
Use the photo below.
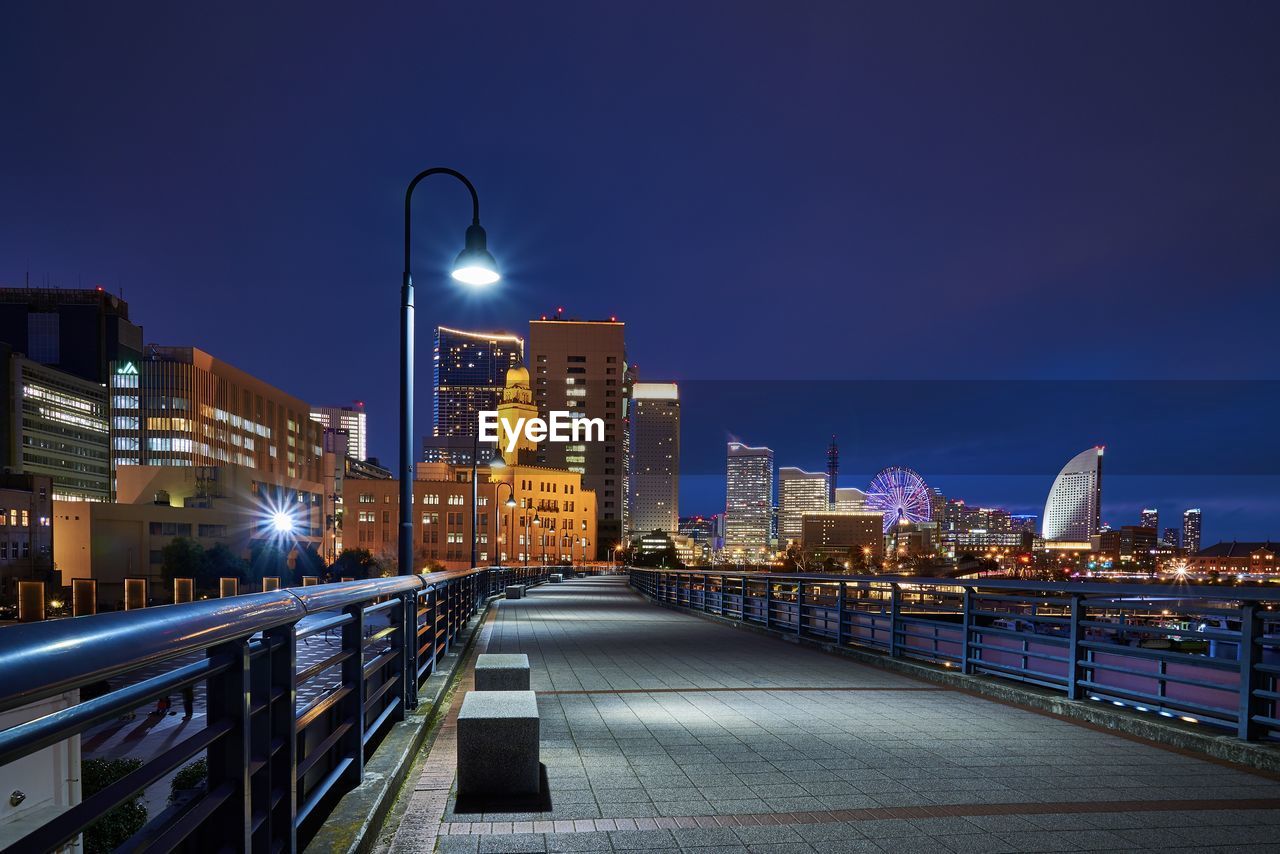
{"type": "Point", "coordinates": [352, 420]}
{"type": "Point", "coordinates": [1073, 511]}
{"type": "Point", "coordinates": [1191, 531]}
{"type": "Point", "coordinates": [1171, 537]}
{"type": "Point", "coordinates": [748, 500]}
{"type": "Point", "coordinates": [1151, 519]}
{"type": "Point", "coordinates": [654, 479]}
{"type": "Point", "coordinates": [470, 373]}
{"type": "Point", "coordinates": [799, 492]}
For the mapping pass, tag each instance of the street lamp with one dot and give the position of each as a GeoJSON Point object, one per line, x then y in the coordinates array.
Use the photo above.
{"type": "Point", "coordinates": [528, 543]}
{"type": "Point", "coordinates": [497, 462]}
{"type": "Point", "coordinates": [511, 503]}
{"type": "Point", "coordinates": [473, 266]}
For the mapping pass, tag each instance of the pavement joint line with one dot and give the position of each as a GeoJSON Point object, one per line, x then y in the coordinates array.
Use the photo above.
{"type": "Point", "coordinates": [467, 828]}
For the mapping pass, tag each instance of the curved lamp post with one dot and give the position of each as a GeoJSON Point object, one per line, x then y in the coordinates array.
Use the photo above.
{"type": "Point", "coordinates": [497, 517]}
{"type": "Point", "coordinates": [473, 266]}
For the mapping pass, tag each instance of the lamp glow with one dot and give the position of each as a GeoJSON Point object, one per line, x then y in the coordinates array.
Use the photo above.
{"type": "Point", "coordinates": [474, 265]}
{"type": "Point", "coordinates": [281, 522]}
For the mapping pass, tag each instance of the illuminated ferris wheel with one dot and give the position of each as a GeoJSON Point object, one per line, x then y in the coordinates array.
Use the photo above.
{"type": "Point", "coordinates": [901, 495]}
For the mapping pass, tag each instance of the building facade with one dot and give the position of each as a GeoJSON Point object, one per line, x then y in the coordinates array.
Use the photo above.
{"type": "Point", "coordinates": [653, 496]}
{"type": "Point", "coordinates": [54, 424]}
{"type": "Point", "coordinates": [26, 531]}
{"type": "Point", "coordinates": [580, 367]}
{"type": "Point", "coordinates": [1150, 518]}
{"type": "Point", "coordinates": [470, 372]}
{"type": "Point", "coordinates": [799, 492]}
{"type": "Point", "coordinates": [350, 419]}
{"type": "Point", "coordinates": [554, 520]}
{"type": "Point", "coordinates": [79, 331]}
{"type": "Point", "coordinates": [230, 505]}
{"type": "Point", "coordinates": [180, 406]}
{"type": "Point", "coordinates": [1237, 558]}
{"type": "Point", "coordinates": [1073, 510]}
{"type": "Point", "coordinates": [748, 509]}
{"type": "Point", "coordinates": [852, 537]}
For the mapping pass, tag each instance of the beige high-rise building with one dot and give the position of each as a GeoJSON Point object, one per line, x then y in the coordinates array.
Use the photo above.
{"type": "Point", "coordinates": [580, 367]}
{"type": "Point", "coordinates": [799, 492]}
{"type": "Point", "coordinates": [180, 406]}
{"type": "Point", "coordinates": [653, 497]}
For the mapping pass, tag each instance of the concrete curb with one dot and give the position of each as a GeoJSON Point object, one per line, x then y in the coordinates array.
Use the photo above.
{"type": "Point", "coordinates": [1204, 742]}
{"type": "Point", "coordinates": [355, 823]}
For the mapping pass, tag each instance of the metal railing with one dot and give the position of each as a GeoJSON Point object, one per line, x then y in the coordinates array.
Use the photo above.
{"type": "Point", "coordinates": [277, 760]}
{"type": "Point", "coordinates": [1200, 654]}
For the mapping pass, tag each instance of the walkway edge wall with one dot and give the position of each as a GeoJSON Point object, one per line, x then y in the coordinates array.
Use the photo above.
{"type": "Point", "coordinates": [1262, 756]}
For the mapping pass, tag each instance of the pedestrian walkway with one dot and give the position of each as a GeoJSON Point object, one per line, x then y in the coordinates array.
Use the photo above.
{"type": "Point", "coordinates": [665, 731]}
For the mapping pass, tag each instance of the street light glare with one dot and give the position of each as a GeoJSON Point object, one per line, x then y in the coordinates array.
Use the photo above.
{"type": "Point", "coordinates": [281, 522]}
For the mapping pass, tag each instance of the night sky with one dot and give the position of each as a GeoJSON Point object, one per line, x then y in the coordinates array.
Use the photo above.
{"type": "Point", "coordinates": [825, 192]}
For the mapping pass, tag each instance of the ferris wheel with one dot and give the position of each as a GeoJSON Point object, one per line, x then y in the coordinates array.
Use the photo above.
{"type": "Point", "coordinates": [901, 495]}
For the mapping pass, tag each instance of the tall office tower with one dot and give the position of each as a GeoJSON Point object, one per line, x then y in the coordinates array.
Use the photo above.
{"type": "Point", "coordinates": [179, 406]}
{"type": "Point", "coordinates": [54, 424]}
{"type": "Point", "coordinates": [1073, 510]}
{"type": "Point", "coordinates": [1150, 519]}
{"type": "Point", "coordinates": [799, 492]}
{"type": "Point", "coordinates": [580, 367]}
{"type": "Point", "coordinates": [748, 508]}
{"type": "Point", "coordinates": [352, 420]}
{"type": "Point", "coordinates": [653, 495]}
{"type": "Point", "coordinates": [470, 373]}
{"type": "Point", "coordinates": [1191, 531]}
{"type": "Point", "coordinates": [1170, 537]}
{"type": "Point", "coordinates": [78, 331]}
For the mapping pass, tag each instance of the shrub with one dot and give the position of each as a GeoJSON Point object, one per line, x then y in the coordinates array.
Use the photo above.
{"type": "Point", "coordinates": [189, 777]}
{"type": "Point", "coordinates": [113, 829]}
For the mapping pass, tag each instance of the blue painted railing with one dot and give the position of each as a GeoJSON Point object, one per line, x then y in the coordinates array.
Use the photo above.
{"type": "Point", "coordinates": [1202, 654]}
{"type": "Point", "coordinates": [274, 770]}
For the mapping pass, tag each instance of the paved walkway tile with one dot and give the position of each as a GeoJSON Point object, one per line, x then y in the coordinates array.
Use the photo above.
{"type": "Point", "coordinates": [663, 731]}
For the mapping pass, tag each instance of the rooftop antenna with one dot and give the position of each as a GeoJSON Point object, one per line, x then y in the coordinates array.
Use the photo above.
{"type": "Point", "coordinates": [833, 468]}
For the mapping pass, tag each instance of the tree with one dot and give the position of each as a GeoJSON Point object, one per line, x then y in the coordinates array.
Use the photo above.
{"type": "Point", "coordinates": [356, 563]}
{"type": "Point", "coordinates": [182, 558]}
{"type": "Point", "coordinates": [267, 560]}
{"type": "Point", "coordinates": [113, 829]}
{"type": "Point", "coordinates": [222, 562]}
{"type": "Point", "coordinates": [307, 561]}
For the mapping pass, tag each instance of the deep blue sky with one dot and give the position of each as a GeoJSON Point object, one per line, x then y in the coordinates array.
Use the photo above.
{"type": "Point", "coordinates": [763, 191]}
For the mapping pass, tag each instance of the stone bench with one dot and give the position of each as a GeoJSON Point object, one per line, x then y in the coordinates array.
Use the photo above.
{"type": "Point", "coordinates": [515, 591]}
{"type": "Point", "coordinates": [502, 672]}
{"type": "Point", "coordinates": [556, 578]}
{"type": "Point", "coordinates": [498, 744]}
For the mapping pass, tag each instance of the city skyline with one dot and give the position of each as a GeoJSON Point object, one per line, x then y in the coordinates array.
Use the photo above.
{"type": "Point", "coordinates": [1009, 223]}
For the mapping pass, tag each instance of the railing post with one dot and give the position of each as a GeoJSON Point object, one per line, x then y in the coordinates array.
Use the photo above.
{"type": "Point", "coordinates": [409, 650]}
{"type": "Point", "coordinates": [768, 602]}
{"type": "Point", "coordinates": [895, 610]}
{"type": "Point", "coordinates": [282, 768]}
{"type": "Point", "coordinates": [840, 602]}
{"type": "Point", "coordinates": [228, 698]}
{"type": "Point", "coordinates": [966, 623]}
{"type": "Point", "coordinates": [1075, 673]}
{"type": "Point", "coordinates": [706, 590]}
{"type": "Point", "coordinates": [1250, 656]}
{"type": "Point", "coordinates": [799, 608]}
{"type": "Point", "coordinates": [352, 743]}
{"type": "Point", "coordinates": [742, 600]}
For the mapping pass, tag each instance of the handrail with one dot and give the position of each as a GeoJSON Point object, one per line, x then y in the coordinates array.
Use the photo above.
{"type": "Point", "coordinates": [1247, 594]}
{"type": "Point", "coordinates": [381, 638]}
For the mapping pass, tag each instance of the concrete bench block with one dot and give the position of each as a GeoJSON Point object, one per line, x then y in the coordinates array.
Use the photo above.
{"type": "Point", "coordinates": [498, 744]}
{"type": "Point", "coordinates": [515, 591]}
{"type": "Point", "coordinates": [556, 578]}
{"type": "Point", "coordinates": [502, 672]}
